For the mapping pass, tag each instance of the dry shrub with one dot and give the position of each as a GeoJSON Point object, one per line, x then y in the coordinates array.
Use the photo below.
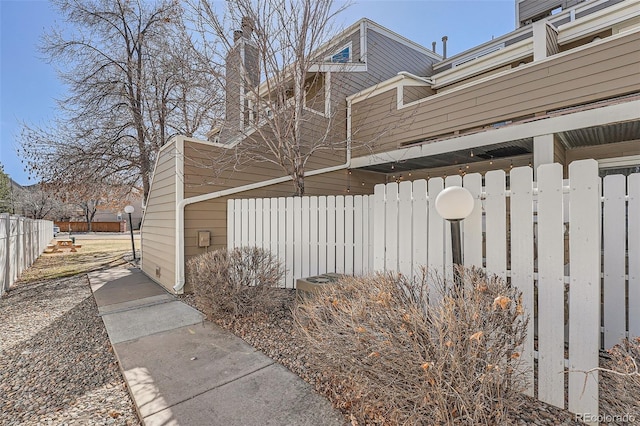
{"type": "Point", "coordinates": [238, 282]}
{"type": "Point", "coordinates": [393, 358]}
{"type": "Point", "coordinates": [623, 371]}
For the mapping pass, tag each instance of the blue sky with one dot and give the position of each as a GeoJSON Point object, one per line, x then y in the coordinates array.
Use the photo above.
{"type": "Point", "coordinates": [29, 86]}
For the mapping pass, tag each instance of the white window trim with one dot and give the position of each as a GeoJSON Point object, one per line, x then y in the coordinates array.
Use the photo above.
{"type": "Point", "coordinates": [327, 98]}
{"type": "Point", "coordinates": [349, 45]}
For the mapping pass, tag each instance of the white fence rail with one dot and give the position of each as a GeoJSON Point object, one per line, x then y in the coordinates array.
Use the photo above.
{"type": "Point", "coordinates": [22, 240]}
{"type": "Point", "coordinates": [547, 237]}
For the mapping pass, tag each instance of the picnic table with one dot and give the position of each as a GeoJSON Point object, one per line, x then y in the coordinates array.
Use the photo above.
{"type": "Point", "coordinates": [62, 244]}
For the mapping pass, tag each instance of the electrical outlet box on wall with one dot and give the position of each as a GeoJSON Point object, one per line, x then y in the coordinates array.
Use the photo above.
{"type": "Point", "coordinates": [204, 238]}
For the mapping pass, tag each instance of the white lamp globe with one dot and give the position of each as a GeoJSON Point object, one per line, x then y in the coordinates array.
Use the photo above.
{"type": "Point", "coordinates": [129, 209]}
{"type": "Point", "coordinates": [454, 203]}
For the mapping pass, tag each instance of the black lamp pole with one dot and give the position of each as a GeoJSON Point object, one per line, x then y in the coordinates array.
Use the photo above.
{"type": "Point", "coordinates": [129, 210]}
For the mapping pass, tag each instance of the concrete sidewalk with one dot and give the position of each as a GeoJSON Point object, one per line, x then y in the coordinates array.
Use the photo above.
{"type": "Point", "coordinates": [184, 370]}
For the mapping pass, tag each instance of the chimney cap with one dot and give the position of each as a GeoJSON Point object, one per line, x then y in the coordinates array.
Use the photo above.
{"type": "Point", "coordinates": [246, 22]}
{"type": "Point", "coordinates": [247, 26]}
{"type": "Point", "coordinates": [237, 35]}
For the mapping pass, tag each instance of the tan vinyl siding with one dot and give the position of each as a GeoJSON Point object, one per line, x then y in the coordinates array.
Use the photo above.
{"type": "Point", "coordinates": [552, 40]}
{"type": "Point", "coordinates": [414, 93]}
{"type": "Point", "coordinates": [581, 42]}
{"type": "Point", "coordinates": [608, 150]}
{"type": "Point", "coordinates": [559, 152]}
{"type": "Point", "coordinates": [605, 70]}
{"type": "Point", "coordinates": [159, 226]}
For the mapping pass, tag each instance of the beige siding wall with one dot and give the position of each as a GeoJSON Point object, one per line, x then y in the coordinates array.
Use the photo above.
{"type": "Point", "coordinates": [414, 93]}
{"type": "Point", "coordinates": [552, 40]}
{"type": "Point", "coordinates": [560, 155]}
{"type": "Point", "coordinates": [610, 150]}
{"type": "Point", "coordinates": [159, 227]}
{"type": "Point", "coordinates": [602, 71]}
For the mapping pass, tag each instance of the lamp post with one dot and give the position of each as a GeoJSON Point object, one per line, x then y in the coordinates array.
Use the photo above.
{"type": "Point", "coordinates": [129, 209]}
{"type": "Point", "coordinates": [454, 204]}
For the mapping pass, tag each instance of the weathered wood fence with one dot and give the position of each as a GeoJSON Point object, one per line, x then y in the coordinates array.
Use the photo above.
{"type": "Point", "coordinates": [121, 226]}
{"type": "Point", "coordinates": [22, 240]}
{"type": "Point", "coordinates": [551, 238]}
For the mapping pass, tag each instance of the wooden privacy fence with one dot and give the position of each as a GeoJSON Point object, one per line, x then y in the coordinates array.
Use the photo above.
{"type": "Point", "coordinates": [22, 240]}
{"type": "Point", "coordinates": [95, 226]}
{"type": "Point", "coordinates": [551, 238]}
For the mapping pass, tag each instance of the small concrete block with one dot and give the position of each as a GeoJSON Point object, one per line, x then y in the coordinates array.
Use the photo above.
{"type": "Point", "coordinates": [138, 303]}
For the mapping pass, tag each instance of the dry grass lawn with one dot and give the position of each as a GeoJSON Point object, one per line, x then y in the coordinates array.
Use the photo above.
{"type": "Point", "coordinates": [93, 255]}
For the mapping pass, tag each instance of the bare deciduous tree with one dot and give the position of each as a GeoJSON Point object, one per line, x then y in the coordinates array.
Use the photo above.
{"type": "Point", "coordinates": [90, 197]}
{"type": "Point", "coordinates": [133, 83]}
{"type": "Point", "coordinates": [37, 202]}
{"type": "Point", "coordinates": [5, 191]}
{"type": "Point", "coordinates": [285, 120]}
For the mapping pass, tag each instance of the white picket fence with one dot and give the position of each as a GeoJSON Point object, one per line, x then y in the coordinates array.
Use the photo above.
{"type": "Point", "coordinates": [22, 240]}
{"type": "Point", "coordinates": [515, 231]}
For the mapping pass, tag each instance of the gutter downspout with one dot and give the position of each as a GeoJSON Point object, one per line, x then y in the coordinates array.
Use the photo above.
{"type": "Point", "coordinates": [180, 208]}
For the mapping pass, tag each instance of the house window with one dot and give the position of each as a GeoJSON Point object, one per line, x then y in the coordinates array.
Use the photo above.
{"type": "Point", "coordinates": [342, 56]}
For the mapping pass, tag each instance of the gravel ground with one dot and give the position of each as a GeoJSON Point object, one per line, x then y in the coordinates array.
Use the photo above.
{"type": "Point", "coordinates": [276, 336]}
{"type": "Point", "coordinates": [57, 366]}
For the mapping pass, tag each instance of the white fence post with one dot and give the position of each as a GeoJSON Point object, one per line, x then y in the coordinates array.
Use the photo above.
{"type": "Point", "coordinates": [405, 239]}
{"type": "Point", "coordinates": [304, 237]}
{"type": "Point", "coordinates": [6, 252]}
{"type": "Point", "coordinates": [391, 227]}
{"type": "Point", "coordinates": [420, 224]}
{"type": "Point", "coordinates": [339, 234]}
{"type": "Point", "coordinates": [322, 235]}
{"type": "Point", "coordinates": [313, 236]}
{"type": "Point", "coordinates": [550, 285]}
{"type": "Point", "coordinates": [522, 258]}
{"type": "Point", "coordinates": [379, 242]}
{"type": "Point", "coordinates": [614, 248]}
{"type": "Point", "coordinates": [634, 255]}
{"type": "Point", "coordinates": [584, 292]}
{"type": "Point", "coordinates": [496, 223]}
{"type": "Point", "coordinates": [360, 217]}
{"type": "Point", "coordinates": [348, 235]}
{"type": "Point", "coordinates": [472, 225]}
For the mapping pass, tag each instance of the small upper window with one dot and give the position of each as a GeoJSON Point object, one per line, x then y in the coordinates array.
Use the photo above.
{"type": "Point", "coordinates": [342, 56]}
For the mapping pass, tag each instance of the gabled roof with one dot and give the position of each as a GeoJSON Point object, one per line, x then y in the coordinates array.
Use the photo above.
{"type": "Point", "coordinates": [363, 25]}
{"type": "Point", "coordinates": [369, 24]}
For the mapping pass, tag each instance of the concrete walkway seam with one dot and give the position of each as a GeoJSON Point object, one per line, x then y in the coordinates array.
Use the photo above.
{"type": "Point", "coordinates": [209, 390]}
